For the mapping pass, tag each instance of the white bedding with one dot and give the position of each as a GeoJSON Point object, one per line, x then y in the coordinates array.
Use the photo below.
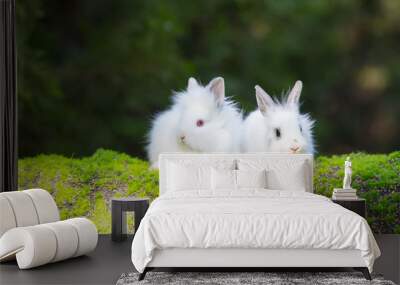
{"type": "Point", "coordinates": [250, 219]}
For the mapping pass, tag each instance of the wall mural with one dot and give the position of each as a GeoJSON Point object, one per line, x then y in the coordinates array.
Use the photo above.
{"type": "Point", "coordinates": [103, 88]}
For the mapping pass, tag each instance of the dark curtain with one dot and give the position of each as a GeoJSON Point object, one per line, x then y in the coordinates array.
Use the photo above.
{"type": "Point", "coordinates": [8, 98]}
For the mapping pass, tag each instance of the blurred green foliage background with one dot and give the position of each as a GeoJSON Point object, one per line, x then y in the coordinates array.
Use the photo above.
{"type": "Point", "coordinates": [92, 73]}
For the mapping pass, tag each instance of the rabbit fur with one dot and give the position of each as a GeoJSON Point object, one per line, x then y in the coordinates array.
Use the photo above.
{"type": "Point", "coordinates": [278, 126]}
{"type": "Point", "coordinates": [200, 119]}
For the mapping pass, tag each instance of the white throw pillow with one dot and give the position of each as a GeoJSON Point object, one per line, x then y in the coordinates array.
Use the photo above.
{"type": "Point", "coordinates": [186, 177]}
{"type": "Point", "coordinates": [223, 179]}
{"type": "Point", "coordinates": [227, 179]}
{"type": "Point", "coordinates": [282, 174]}
{"type": "Point", "coordinates": [293, 180]}
{"type": "Point", "coordinates": [251, 179]}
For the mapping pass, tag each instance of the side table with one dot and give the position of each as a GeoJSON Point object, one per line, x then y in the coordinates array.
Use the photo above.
{"type": "Point", "coordinates": [119, 207]}
{"type": "Point", "coordinates": [358, 205]}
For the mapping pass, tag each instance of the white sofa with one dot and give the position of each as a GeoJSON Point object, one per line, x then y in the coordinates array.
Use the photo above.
{"type": "Point", "coordinates": [31, 231]}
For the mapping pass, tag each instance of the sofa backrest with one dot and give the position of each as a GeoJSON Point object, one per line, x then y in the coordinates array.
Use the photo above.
{"type": "Point", "coordinates": [287, 171]}
{"type": "Point", "coordinates": [26, 208]}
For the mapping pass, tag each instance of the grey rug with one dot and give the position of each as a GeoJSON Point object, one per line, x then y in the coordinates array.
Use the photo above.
{"type": "Point", "coordinates": [232, 278]}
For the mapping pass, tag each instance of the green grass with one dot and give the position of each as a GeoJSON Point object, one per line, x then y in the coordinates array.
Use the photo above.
{"type": "Point", "coordinates": [85, 186]}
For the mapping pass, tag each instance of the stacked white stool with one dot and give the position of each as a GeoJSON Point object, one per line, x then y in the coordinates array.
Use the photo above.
{"type": "Point", "coordinates": [31, 230]}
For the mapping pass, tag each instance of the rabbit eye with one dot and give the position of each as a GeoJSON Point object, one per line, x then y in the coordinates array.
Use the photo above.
{"type": "Point", "coordinates": [301, 129]}
{"type": "Point", "coordinates": [199, 123]}
{"type": "Point", "coordinates": [278, 132]}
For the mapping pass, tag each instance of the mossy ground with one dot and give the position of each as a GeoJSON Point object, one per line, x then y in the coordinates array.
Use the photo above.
{"type": "Point", "coordinates": [85, 186]}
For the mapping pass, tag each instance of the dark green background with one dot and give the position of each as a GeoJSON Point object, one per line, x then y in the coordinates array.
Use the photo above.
{"type": "Point", "coordinates": [93, 72]}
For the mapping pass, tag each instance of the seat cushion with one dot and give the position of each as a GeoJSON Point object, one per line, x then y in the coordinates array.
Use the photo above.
{"type": "Point", "coordinates": [67, 240]}
{"type": "Point", "coordinates": [7, 220]}
{"type": "Point", "coordinates": [24, 211]}
{"type": "Point", "coordinates": [26, 208]}
{"type": "Point", "coordinates": [87, 235]}
{"type": "Point", "coordinates": [45, 205]}
{"type": "Point", "coordinates": [40, 244]}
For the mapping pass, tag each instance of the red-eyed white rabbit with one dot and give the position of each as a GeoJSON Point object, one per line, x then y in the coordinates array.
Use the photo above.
{"type": "Point", "coordinates": [278, 126]}
{"type": "Point", "coordinates": [200, 119]}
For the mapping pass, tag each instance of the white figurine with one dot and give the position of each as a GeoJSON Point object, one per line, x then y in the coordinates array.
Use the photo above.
{"type": "Point", "coordinates": [347, 174]}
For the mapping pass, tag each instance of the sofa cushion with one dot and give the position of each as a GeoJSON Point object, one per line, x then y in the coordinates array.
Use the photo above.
{"type": "Point", "coordinates": [45, 205]}
{"type": "Point", "coordinates": [7, 220]}
{"type": "Point", "coordinates": [26, 208]}
{"type": "Point", "coordinates": [40, 244]}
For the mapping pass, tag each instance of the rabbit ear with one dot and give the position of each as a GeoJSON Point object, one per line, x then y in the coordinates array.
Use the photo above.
{"type": "Point", "coordinates": [192, 83]}
{"type": "Point", "coordinates": [217, 87]}
{"type": "Point", "coordinates": [264, 101]}
{"type": "Point", "coordinates": [294, 94]}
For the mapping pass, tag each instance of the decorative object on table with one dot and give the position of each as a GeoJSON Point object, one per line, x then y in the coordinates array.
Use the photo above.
{"type": "Point", "coordinates": [344, 194]}
{"type": "Point", "coordinates": [243, 278]}
{"type": "Point", "coordinates": [119, 207]}
{"type": "Point", "coordinates": [358, 205]}
{"type": "Point", "coordinates": [32, 233]}
{"type": "Point", "coordinates": [347, 192]}
{"type": "Point", "coordinates": [347, 174]}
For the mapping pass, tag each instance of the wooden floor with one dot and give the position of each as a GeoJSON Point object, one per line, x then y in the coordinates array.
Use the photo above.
{"type": "Point", "coordinates": [111, 259]}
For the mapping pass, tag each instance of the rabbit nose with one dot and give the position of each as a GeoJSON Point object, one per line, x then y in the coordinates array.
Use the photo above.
{"type": "Point", "coordinates": [295, 148]}
{"type": "Point", "coordinates": [182, 138]}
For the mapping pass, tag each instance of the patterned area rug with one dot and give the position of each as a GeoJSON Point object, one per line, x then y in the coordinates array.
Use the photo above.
{"type": "Point", "coordinates": [233, 278]}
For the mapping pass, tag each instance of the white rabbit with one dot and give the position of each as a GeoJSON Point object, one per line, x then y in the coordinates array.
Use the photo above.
{"type": "Point", "coordinates": [278, 126]}
{"type": "Point", "coordinates": [200, 120]}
